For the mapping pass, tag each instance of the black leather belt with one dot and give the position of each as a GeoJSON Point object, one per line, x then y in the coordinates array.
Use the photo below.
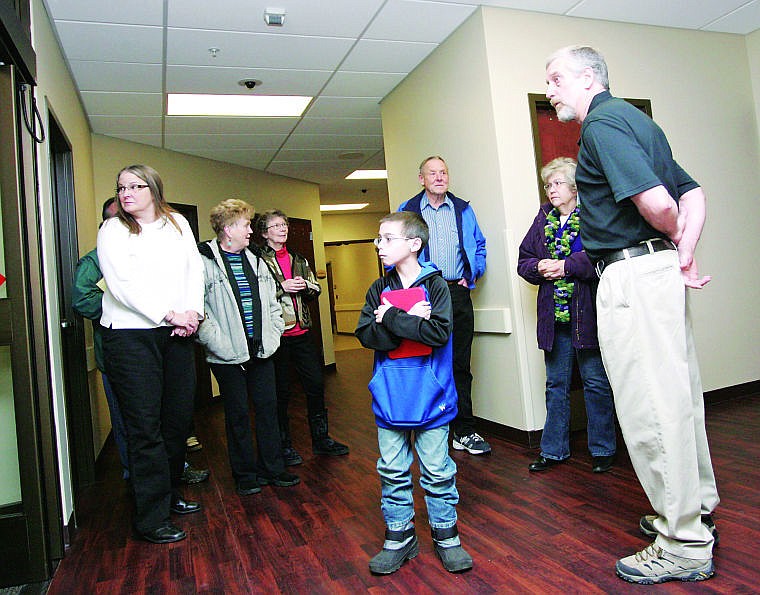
{"type": "Point", "coordinates": [647, 247]}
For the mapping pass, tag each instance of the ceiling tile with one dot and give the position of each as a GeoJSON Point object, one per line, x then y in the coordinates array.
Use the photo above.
{"type": "Point", "coordinates": [255, 50]}
{"type": "Point", "coordinates": [386, 56]}
{"type": "Point", "coordinates": [742, 21]}
{"type": "Point", "coordinates": [362, 84]}
{"type": "Point", "coordinates": [318, 172]}
{"type": "Point", "coordinates": [123, 104]}
{"type": "Point", "coordinates": [200, 125]}
{"type": "Point", "coordinates": [191, 142]}
{"type": "Point", "coordinates": [144, 139]}
{"type": "Point", "coordinates": [111, 43]}
{"type": "Point", "coordinates": [409, 20]}
{"type": "Point", "coordinates": [256, 159]}
{"type": "Point", "coordinates": [655, 12]}
{"type": "Point", "coordinates": [365, 142]}
{"type": "Point", "coordinates": [312, 125]}
{"type": "Point", "coordinates": [220, 79]}
{"type": "Point", "coordinates": [116, 125]}
{"type": "Point", "coordinates": [350, 107]}
{"type": "Point", "coordinates": [336, 18]}
{"type": "Point", "coordinates": [117, 76]}
{"type": "Point", "coordinates": [134, 12]}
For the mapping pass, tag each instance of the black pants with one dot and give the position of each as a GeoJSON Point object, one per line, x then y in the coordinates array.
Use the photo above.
{"type": "Point", "coordinates": [462, 334]}
{"type": "Point", "coordinates": [253, 380]}
{"type": "Point", "coordinates": [153, 376]}
{"type": "Point", "coordinates": [301, 352]}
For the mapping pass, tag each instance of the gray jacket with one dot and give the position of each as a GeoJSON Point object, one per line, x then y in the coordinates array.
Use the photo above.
{"type": "Point", "coordinates": [222, 333]}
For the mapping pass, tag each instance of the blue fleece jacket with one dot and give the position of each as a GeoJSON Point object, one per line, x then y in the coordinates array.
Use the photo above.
{"type": "Point", "coordinates": [472, 242]}
{"type": "Point", "coordinates": [415, 392]}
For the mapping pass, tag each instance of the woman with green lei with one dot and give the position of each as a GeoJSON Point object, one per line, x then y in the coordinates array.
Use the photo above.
{"type": "Point", "coordinates": [552, 257]}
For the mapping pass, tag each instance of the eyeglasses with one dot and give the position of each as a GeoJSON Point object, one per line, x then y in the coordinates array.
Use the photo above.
{"type": "Point", "coordinates": [387, 239]}
{"type": "Point", "coordinates": [278, 226]}
{"type": "Point", "coordinates": [132, 188]}
{"type": "Point", "coordinates": [555, 184]}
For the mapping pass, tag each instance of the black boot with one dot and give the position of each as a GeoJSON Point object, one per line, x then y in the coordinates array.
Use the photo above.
{"type": "Point", "coordinates": [289, 454]}
{"type": "Point", "coordinates": [321, 442]}
{"type": "Point", "coordinates": [454, 558]}
{"type": "Point", "coordinates": [390, 560]}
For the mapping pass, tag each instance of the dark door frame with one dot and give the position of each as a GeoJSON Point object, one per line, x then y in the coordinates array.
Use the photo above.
{"type": "Point", "coordinates": [76, 387]}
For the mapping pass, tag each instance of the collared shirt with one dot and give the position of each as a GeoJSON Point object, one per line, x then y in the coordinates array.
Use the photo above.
{"type": "Point", "coordinates": [444, 237]}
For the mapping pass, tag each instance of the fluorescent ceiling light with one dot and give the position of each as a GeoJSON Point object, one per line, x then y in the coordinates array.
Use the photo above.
{"type": "Point", "coordinates": [262, 106]}
{"type": "Point", "coordinates": [344, 207]}
{"type": "Point", "coordinates": [368, 174]}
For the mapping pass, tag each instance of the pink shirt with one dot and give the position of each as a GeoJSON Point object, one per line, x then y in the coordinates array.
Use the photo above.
{"type": "Point", "coordinates": [283, 259]}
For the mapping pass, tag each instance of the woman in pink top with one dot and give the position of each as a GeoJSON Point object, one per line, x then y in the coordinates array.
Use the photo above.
{"type": "Point", "coordinates": [296, 285]}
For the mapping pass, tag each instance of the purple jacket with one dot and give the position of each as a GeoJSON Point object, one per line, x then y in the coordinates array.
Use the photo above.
{"type": "Point", "coordinates": [578, 268]}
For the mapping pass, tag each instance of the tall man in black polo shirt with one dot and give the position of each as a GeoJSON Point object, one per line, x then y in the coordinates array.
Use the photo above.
{"type": "Point", "coordinates": [642, 217]}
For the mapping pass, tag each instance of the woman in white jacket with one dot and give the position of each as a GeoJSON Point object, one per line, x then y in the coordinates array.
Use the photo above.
{"type": "Point", "coordinates": [240, 333]}
{"type": "Point", "coordinates": [152, 303]}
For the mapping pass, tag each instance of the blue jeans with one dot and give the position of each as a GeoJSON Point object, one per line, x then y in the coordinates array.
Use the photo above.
{"type": "Point", "coordinates": [437, 476]}
{"type": "Point", "coordinates": [600, 409]}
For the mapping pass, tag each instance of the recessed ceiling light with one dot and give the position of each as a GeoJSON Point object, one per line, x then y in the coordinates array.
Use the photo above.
{"type": "Point", "coordinates": [344, 207]}
{"type": "Point", "coordinates": [368, 174]}
{"type": "Point", "coordinates": [262, 106]}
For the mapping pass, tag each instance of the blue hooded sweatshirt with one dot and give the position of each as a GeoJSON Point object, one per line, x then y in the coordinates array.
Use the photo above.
{"type": "Point", "coordinates": [414, 392]}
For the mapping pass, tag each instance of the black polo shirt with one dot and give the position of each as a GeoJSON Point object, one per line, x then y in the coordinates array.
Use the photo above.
{"type": "Point", "coordinates": [622, 153]}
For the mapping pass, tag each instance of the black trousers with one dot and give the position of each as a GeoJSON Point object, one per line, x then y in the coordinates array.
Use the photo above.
{"type": "Point", "coordinates": [462, 334]}
{"type": "Point", "coordinates": [238, 383]}
{"type": "Point", "coordinates": [153, 376]}
{"type": "Point", "coordinates": [300, 352]}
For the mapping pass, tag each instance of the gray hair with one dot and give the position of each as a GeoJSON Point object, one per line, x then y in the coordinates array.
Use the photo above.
{"type": "Point", "coordinates": [564, 165]}
{"type": "Point", "coordinates": [583, 56]}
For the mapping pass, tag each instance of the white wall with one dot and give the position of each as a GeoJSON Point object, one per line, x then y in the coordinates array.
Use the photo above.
{"type": "Point", "coordinates": [468, 102]}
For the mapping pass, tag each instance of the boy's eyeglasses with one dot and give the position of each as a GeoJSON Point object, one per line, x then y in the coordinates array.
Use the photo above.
{"type": "Point", "coordinates": [388, 239]}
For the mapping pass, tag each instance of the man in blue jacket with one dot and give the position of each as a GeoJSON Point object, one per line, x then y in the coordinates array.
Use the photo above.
{"type": "Point", "coordinates": [458, 248]}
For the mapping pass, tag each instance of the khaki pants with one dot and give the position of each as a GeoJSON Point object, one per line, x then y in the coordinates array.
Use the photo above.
{"type": "Point", "coordinates": [648, 351]}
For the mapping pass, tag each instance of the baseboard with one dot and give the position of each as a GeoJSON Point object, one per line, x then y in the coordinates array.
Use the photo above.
{"type": "Point", "coordinates": [526, 438]}
{"type": "Point", "coordinates": [532, 438]}
{"type": "Point", "coordinates": [732, 392]}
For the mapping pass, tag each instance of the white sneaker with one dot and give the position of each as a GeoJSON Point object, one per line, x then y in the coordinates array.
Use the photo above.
{"type": "Point", "coordinates": [654, 565]}
{"type": "Point", "coordinates": [472, 443]}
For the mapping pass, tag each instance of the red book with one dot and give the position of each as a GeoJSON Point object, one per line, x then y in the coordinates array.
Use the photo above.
{"type": "Point", "coordinates": [405, 299]}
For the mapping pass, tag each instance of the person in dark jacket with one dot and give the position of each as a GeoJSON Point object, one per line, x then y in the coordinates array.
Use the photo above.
{"type": "Point", "coordinates": [457, 247]}
{"type": "Point", "coordinates": [552, 257]}
{"type": "Point", "coordinates": [412, 394]}
{"type": "Point", "coordinates": [296, 285]}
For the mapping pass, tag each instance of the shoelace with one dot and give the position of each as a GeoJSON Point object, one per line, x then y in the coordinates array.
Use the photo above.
{"type": "Point", "coordinates": [650, 552]}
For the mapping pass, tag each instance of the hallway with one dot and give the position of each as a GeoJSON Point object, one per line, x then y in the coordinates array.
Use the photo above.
{"type": "Point", "coordinates": [555, 532]}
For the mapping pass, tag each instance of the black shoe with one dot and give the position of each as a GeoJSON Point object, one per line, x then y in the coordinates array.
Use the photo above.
{"type": "Point", "coordinates": [166, 533]}
{"type": "Point", "coordinates": [389, 561]}
{"type": "Point", "coordinates": [542, 463]}
{"type": "Point", "coordinates": [290, 456]}
{"type": "Point", "coordinates": [454, 558]}
{"type": "Point", "coordinates": [182, 506]}
{"type": "Point", "coordinates": [328, 446]}
{"type": "Point", "coordinates": [283, 480]}
{"type": "Point", "coordinates": [192, 475]}
{"type": "Point", "coordinates": [602, 464]}
{"type": "Point", "coordinates": [247, 488]}
{"type": "Point", "coordinates": [647, 527]}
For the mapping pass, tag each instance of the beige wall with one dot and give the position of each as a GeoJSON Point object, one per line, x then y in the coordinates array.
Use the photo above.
{"type": "Point", "coordinates": [361, 226]}
{"type": "Point", "coordinates": [480, 122]}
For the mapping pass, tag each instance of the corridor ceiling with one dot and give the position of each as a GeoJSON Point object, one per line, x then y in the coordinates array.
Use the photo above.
{"type": "Point", "coordinates": [348, 54]}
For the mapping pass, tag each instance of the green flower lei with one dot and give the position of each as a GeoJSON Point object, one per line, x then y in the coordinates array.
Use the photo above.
{"type": "Point", "coordinates": [559, 248]}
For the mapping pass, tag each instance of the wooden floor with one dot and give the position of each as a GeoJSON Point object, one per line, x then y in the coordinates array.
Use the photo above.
{"type": "Point", "coordinates": [561, 531]}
